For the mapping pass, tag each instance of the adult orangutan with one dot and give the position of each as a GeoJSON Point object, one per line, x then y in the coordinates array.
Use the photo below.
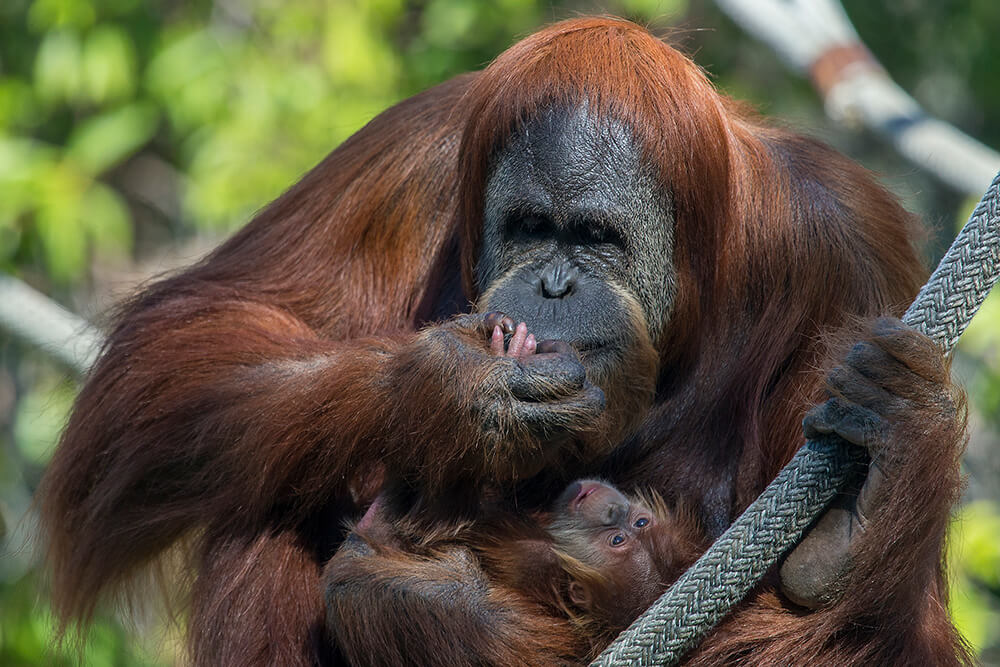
{"type": "Point", "coordinates": [689, 266]}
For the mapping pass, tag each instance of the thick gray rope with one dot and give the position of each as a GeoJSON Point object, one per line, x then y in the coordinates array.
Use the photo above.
{"type": "Point", "coordinates": [776, 520]}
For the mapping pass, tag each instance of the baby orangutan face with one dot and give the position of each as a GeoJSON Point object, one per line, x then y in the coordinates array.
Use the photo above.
{"type": "Point", "coordinates": [620, 552]}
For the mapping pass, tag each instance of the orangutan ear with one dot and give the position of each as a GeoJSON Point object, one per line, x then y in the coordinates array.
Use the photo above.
{"type": "Point", "coordinates": [579, 594]}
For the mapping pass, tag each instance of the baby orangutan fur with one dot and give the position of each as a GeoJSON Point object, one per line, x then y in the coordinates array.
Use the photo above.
{"type": "Point", "coordinates": [559, 584]}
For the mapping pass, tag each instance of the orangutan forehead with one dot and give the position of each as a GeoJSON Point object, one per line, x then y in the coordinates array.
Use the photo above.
{"type": "Point", "coordinates": [568, 128]}
{"type": "Point", "coordinates": [570, 161]}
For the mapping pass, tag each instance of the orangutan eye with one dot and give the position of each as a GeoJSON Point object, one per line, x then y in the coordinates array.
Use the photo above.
{"type": "Point", "coordinates": [641, 523]}
{"type": "Point", "coordinates": [617, 540]}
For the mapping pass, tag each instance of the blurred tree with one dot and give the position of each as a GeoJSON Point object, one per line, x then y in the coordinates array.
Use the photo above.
{"type": "Point", "coordinates": [128, 126]}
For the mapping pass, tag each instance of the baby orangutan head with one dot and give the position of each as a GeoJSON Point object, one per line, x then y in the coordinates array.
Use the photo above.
{"type": "Point", "coordinates": [621, 553]}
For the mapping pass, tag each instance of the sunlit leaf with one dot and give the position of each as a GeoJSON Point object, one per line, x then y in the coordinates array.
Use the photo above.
{"type": "Point", "coordinates": [40, 418]}
{"type": "Point", "coordinates": [104, 140]}
{"type": "Point", "coordinates": [653, 8]}
{"type": "Point", "coordinates": [58, 13]}
{"type": "Point", "coordinates": [64, 239]}
{"type": "Point", "coordinates": [970, 610]}
{"type": "Point", "coordinates": [448, 20]}
{"type": "Point", "coordinates": [355, 55]}
{"type": "Point", "coordinates": [974, 560]}
{"type": "Point", "coordinates": [982, 337]}
{"type": "Point", "coordinates": [23, 165]}
{"type": "Point", "coordinates": [106, 219]}
{"type": "Point", "coordinates": [108, 64]}
{"type": "Point", "coordinates": [981, 550]}
{"type": "Point", "coordinates": [58, 74]}
{"type": "Point", "coordinates": [191, 79]}
{"type": "Point", "coordinates": [385, 10]}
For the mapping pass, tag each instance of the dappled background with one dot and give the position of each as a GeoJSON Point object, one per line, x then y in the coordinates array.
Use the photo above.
{"type": "Point", "coordinates": [135, 134]}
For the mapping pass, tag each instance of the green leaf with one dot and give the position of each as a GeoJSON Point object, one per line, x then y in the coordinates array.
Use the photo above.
{"type": "Point", "coordinates": [106, 219]}
{"type": "Point", "coordinates": [191, 79]}
{"type": "Point", "coordinates": [105, 140]}
{"type": "Point", "coordinates": [58, 13]}
{"type": "Point", "coordinates": [40, 418]}
{"type": "Point", "coordinates": [17, 103]}
{"type": "Point", "coordinates": [654, 8]}
{"type": "Point", "coordinates": [974, 557]}
{"type": "Point", "coordinates": [23, 166]}
{"type": "Point", "coordinates": [357, 55]}
{"type": "Point", "coordinates": [982, 337]}
{"type": "Point", "coordinates": [57, 67]}
{"type": "Point", "coordinates": [64, 239]}
{"type": "Point", "coordinates": [108, 65]}
{"type": "Point", "coordinates": [448, 21]}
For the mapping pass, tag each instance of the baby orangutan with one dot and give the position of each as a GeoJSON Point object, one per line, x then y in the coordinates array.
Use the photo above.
{"type": "Point", "coordinates": [619, 553]}
{"type": "Point", "coordinates": [506, 589]}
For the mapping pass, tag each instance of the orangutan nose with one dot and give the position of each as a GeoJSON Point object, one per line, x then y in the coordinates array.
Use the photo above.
{"type": "Point", "coordinates": [615, 514]}
{"type": "Point", "coordinates": [558, 279]}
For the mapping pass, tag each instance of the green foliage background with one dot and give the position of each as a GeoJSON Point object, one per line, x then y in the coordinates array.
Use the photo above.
{"type": "Point", "coordinates": [130, 126]}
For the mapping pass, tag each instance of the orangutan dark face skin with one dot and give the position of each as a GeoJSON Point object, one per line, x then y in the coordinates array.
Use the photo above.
{"type": "Point", "coordinates": [578, 238]}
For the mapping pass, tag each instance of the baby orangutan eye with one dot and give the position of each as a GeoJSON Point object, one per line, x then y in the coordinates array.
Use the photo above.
{"type": "Point", "coordinates": [617, 540]}
{"type": "Point", "coordinates": [641, 523]}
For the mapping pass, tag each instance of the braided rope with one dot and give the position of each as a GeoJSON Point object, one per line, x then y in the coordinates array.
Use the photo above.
{"type": "Point", "coordinates": [960, 283]}
{"type": "Point", "coordinates": [776, 520]}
